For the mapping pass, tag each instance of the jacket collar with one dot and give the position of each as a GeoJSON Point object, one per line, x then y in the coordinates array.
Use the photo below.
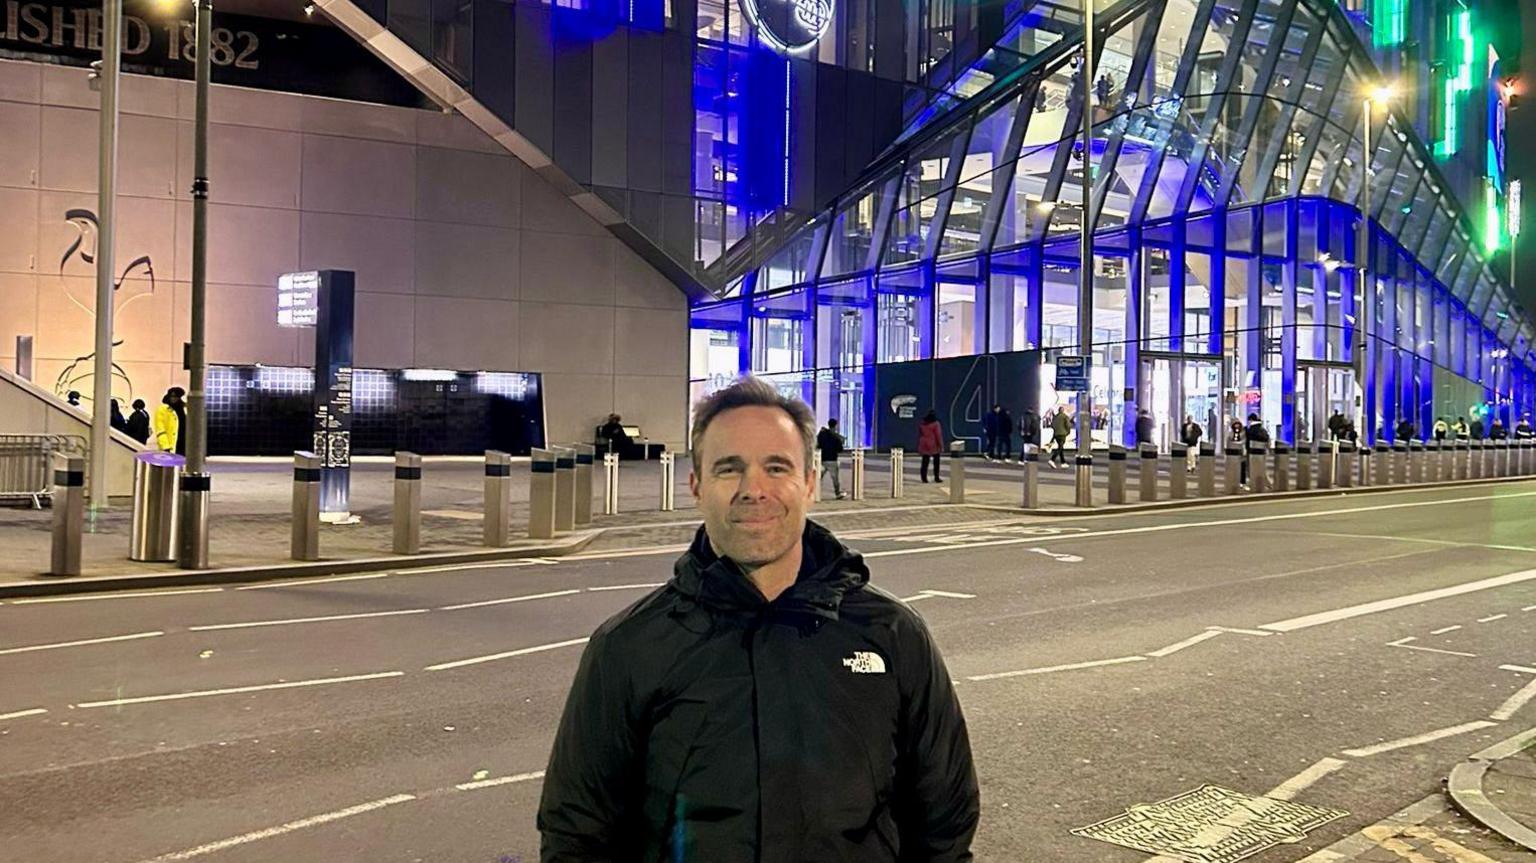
{"type": "Point", "coordinates": [828, 571]}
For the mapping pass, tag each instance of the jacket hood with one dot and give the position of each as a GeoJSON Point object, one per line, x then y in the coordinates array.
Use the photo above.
{"type": "Point", "coordinates": [829, 570]}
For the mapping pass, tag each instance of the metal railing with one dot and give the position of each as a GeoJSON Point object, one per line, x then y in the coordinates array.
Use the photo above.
{"type": "Point", "coordinates": [26, 464]}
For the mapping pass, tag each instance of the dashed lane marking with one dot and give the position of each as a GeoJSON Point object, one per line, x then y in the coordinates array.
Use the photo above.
{"type": "Point", "coordinates": [133, 595]}
{"type": "Point", "coordinates": [290, 827]}
{"type": "Point", "coordinates": [1188, 642]}
{"type": "Point", "coordinates": [1520, 668]}
{"type": "Point", "coordinates": [1052, 669]}
{"type": "Point", "coordinates": [1444, 629]}
{"type": "Point", "coordinates": [1337, 614]}
{"type": "Point", "coordinates": [527, 598]}
{"type": "Point", "coordinates": [476, 660]}
{"type": "Point", "coordinates": [1491, 618]}
{"type": "Point", "coordinates": [36, 711]}
{"type": "Point", "coordinates": [500, 780]}
{"type": "Point", "coordinates": [59, 644]}
{"type": "Point", "coordinates": [271, 584]}
{"type": "Point", "coordinates": [647, 586]}
{"type": "Point", "coordinates": [236, 690]}
{"type": "Point", "coordinates": [286, 621]}
{"type": "Point", "coordinates": [1512, 705]}
{"type": "Point", "coordinates": [1419, 739]}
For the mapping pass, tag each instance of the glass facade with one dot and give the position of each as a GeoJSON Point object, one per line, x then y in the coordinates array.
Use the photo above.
{"type": "Point", "coordinates": [1229, 171]}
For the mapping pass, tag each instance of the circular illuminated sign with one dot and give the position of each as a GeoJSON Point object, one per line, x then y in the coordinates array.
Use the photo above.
{"type": "Point", "coordinates": [789, 26]}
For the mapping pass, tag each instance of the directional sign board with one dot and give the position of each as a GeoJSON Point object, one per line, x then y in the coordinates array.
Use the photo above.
{"type": "Point", "coordinates": [298, 299]}
{"type": "Point", "coordinates": [1072, 374]}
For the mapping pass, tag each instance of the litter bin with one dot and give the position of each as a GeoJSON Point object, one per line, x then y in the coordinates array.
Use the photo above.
{"type": "Point", "coordinates": [156, 506]}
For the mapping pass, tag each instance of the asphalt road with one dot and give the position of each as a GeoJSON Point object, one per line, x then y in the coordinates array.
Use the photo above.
{"type": "Point", "coordinates": [1104, 662]}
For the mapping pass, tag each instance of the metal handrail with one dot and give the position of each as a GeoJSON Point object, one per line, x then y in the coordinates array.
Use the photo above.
{"type": "Point", "coordinates": [26, 464]}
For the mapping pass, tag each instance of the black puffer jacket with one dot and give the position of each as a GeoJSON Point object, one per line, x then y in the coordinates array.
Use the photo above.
{"type": "Point", "coordinates": [708, 725]}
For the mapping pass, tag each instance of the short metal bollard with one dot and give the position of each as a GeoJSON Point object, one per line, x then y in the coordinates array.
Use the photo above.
{"type": "Point", "coordinates": [1525, 456]}
{"type": "Point", "coordinates": [1431, 456]}
{"type": "Point", "coordinates": [1031, 456]}
{"type": "Point", "coordinates": [541, 494]}
{"type": "Point", "coordinates": [816, 474]}
{"type": "Point", "coordinates": [498, 498]}
{"type": "Point", "coordinates": [1146, 473]}
{"type": "Point", "coordinates": [565, 489]}
{"type": "Point", "coordinates": [1178, 472]}
{"type": "Point", "coordinates": [1305, 452]}
{"type": "Point", "coordinates": [857, 478]}
{"type": "Point", "coordinates": [68, 516]}
{"type": "Point", "coordinates": [1258, 470]}
{"type": "Point", "coordinates": [1207, 468]}
{"type": "Point", "coordinates": [407, 515]}
{"type": "Point", "coordinates": [957, 472]}
{"type": "Point", "coordinates": [1328, 464]}
{"type": "Point", "coordinates": [1462, 466]}
{"type": "Point", "coordinates": [1344, 473]}
{"type": "Point", "coordinates": [584, 456]}
{"type": "Point", "coordinates": [668, 484]}
{"type": "Point", "coordinates": [898, 471]}
{"type": "Point", "coordinates": [1415, 462]}
{"type": "Point", "coordinates": [304, 541]}
{"type": "Point", "coordinates": [610, 483]}
{"type": "Point", "coordinates": [1505, 449]}
{"type": "Point", "coordinates": [1384, 462]}
{"type": "Point", "coordinates": [1282, 467]}
{"type": "Point", "coordinates": [1117, 457]}
{"type": "Point", "coordinates": [1401, 459]}
{"type": "Point", "coordinates": [1232, 468]}
{"type": "Point", "coordinates": [1475, 460]}
{"type": "Point", "coordinates": [1084, 465]}
{"type": "Point", "coordinates": [1489, 462]}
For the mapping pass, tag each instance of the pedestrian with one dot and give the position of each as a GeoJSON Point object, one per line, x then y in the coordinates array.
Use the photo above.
{"type": "Point", "coordinates": [119, 422]}
{"type": "Point", "coordinates": [1405, 430]}
{"type": "Point", "coordinates": [1460, 428]}
{"type": "Point", "coordinates": [1523, 429]}
{"type": "Point", "coordinates": [1254, 436]}
{"type": "Point", "coordinates": [138, 422]}
{"type": "Point", "coordinates": [930, 443]}
{"type": "Point", "coordinates": [1190, 436]}
{"type": "Point", "coordinates": [766, 703]}
{"type": "Point", "coordinates": [989, 424]}
{"type": "Point", "coordinates": [1102, 89]}
{"type": "Point", "coordinates": [1005, 434]}
{"type": "Point", "coordinates": [1498, 432]}
{"type": "Point", "coordinates": [830, 442]}
{"type": "Point", "coordinates": [1441, 429]}
{"type": "Point", "coordinates": [617, 438]}
{"type": "Point", "coordinates": [1145, 428]}
{"type": "Point", "coordinates": [1477, 429]}
{"type": "Point", "coordinates": [1336, 424]}
{"type": "Point", "coordinates": [73, 399]}
{"type": "Point", "coordinates": [168, 417]}
{"type": "Point", "coordinates": [1061, 427]}
{"type": "Point", "coordinates": [1029, 429]}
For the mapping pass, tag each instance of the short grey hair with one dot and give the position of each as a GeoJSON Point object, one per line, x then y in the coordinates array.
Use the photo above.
{"type": "Point", "coordinates": [750, 392]}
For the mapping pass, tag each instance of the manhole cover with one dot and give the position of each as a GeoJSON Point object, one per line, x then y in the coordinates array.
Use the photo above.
{"type": "Point", "coordinates": [1211, 825]}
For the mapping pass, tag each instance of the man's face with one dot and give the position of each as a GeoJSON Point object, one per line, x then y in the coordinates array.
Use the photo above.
{"type": "Point", "coordinates": [756, 488]}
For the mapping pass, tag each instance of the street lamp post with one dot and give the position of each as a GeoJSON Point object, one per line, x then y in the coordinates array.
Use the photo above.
{"type": "Point", "coordinates": [106, 222]}
{"type": "Point", "coordinates": [1085, 268]}
{"type": "Point", "coordinates": [195, 487]}
{"type": "Point", "coordinates": [1382, 94]}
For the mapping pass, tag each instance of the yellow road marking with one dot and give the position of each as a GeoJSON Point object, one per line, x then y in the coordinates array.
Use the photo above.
{"type": "Point", "coordinates": [1387, 838]}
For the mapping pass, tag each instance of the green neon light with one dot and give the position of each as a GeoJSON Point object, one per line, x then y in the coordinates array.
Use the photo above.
{"type": "Point", "coordinates": [1458, 80]}
{"type": "Point", "coordinates": [1493, 223]}
{"type": "Point", "coordinates": [1388, 22]}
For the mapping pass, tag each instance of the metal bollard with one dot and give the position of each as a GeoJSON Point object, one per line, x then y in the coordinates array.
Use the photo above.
{"type": "Point", "coordinates": [1178, 472]}
{"type": "Point", "coordinates": [1431, 457]}
{"type": "Point", "coordinates": [898, 468]}
{"type": "Point", "coordinates": [565, 489]}
{"type": "Point", "coordinates": [584, 455]}
{"type": "Point", "coordinates": [1344, 470]}
{"type": "Point", "coordinates": [857, 478]}
{"type": "Point", "coordinates": [1084, 465]}
{"type": "Point", "coordinates": [407, 516]}
{"type": "Point", "coordinates": [1233, 468]}
{"type": "Point", "coordinates": [1305, 452]}
{"type": "Point", "coordinates": [304, 541]}
{"type": "Point", "coordinates": [1383, 460]}
{"type": "Point", "coordinates": [1327, 464]}
{"type": "Point", "coordinates": [1282, 462]}
{"type": "Point", "coordinates": [1488, 460]}
{"type": "Point", "coordinates": [196, 491]}
{"type": "Point", "coordinates": [1504, 457]}
{"type": "Point", "coordinates": [68, 516]}
{"type": "Point", "coordinates": [1525, 457]}
{"type": "Point", "coordinates": [541, 494]}
{"type": "Point", "coordinates": [498, 498]}
{"type": "Point", "coordinates": [1207, 468]}
{"type": "Point", "coordinates": [1475, 460]}
{"type": "Point", "coordinates": [1117, 457]}
{"type": "Point", "coordinates": [1461, 467]}
{"type": "Point", "coordinates": [1146, 473]}
{"type": "Point", "coordinates": [668, 483]}
{"type": "Point", "coordinates": [816, 474]}
{"type": "Point", "coordinates": [610, 483]}
{"type": "Point", "coordinates": [1031, 457]}
{"type": "Point", "coordinates": [1258, 471]}
{"type": "Point", "coordinates": [957, 472]}
{"type": "Point", "coordinates": [1400, 462]}
{"type": "Point", "coordinates": [1415, 462]}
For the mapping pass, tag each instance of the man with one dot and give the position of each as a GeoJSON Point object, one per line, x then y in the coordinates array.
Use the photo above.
{"type": "Point", "coordinates": [1523, 429]}
{"type": "Point", "coordinates": [1336, 424]}
{"type": "Point", "coordinates": [1005, 433]}
{"type": "Point", "coordinates": [613, 432]}
{"type": "Point", "coordinates": [1405, 430]}
{"type": "Point", "coordinates": [767, 705]}
{"type": "Point", "coordinates": [1145, 428]}
{"type": "Point", "coordinates": [989, 423]}
{"type": "Point", "coordinates": [167, 423]}
{"type": "Point", "coordinates": [1476, 430]}
{"type": "Point", "coordinates": [1498, 432]}
{"type": "Point", "coordinates": [1029, 429]}
{"type": "Point", "coordinates": [73, 399]}
{"type": "Point", "coordinates": [1061, 427]}
{"type": "Point", "coordinates": [1255, 439]}
{"type": "Point", "coordinates": [830, 442]}
{"type": "Point", "coordinates": [1460, 428]}
{"type": "Point", "coordinates": [1441, 428]}
{"type": "Point", "coordinates": [1190, 435]}
{"type": "Point", "coordinates": [138, 422]}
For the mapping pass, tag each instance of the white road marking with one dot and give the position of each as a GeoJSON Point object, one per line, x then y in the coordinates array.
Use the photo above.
{"type": "Point", "coordinates": [236, 690]}
{"type": "Point", "coordinates": [43, 599]}
{"type": "Point", "coordinates": [271, 584]}
{"type": "Point", "coordinates": [56, 645]}
{"type": "Point", "coordinates": [1491, 618]}
{"type": "Point", "coordinates": [1424, 540]}
{"type": "Point", "coordinates": [20, 713]}
{"type": "Point", "coordinates": [475, 660]}
{"type": "Point", "coordinates": [1520, 668]}
{"type": "Point", "coordinates": [921, 596]}
{"type": "Point", "coordinates": [290, 827]}
{"type": "Point", "coordinates": [291, 620]}
{"type": "Point", "coordinates": [463, 567]}
{"type": "Point", "coordinates": [1188, 642]}
{"type": "Point", "coordinates": [1338, 614]}
{"type": "Point", "coordinates": [1055, 668]}
{"type": "Point", "coordinates": [1419, 739]}
{"type": "Point", "coordinates": [1256, 632]}
{"type": "Point", "coordinates": [948, 595]}
{"type": "Point", "coordinates": [485, 602]}
{"type": "Point", "coordinates": [1444, 629]}
{"type": "Point", "coordinates": [500, 780]}
{"type": "Point", "coordinates": [1434, 650]}
{"type": "Point", "coordinates": [1529, 608]}
{"type": "Point", "coordinates": [1054, 555]}
{"type": "Point", "coordinates": [1401, 641]}
{"type": "Point", "coordinates": [1288, 789]}
{"type": "Point", "coordinates": [651, 585]}
{"type": "Point", "coordinates": [1512, 705]}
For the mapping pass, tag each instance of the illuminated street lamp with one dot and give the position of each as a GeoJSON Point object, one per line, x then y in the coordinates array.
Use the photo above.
{"type": "Point", "coordinates": [1381, 94]}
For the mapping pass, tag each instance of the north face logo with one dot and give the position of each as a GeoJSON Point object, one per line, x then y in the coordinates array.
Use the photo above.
{"type": "Point", "coordinates": [862, 662]}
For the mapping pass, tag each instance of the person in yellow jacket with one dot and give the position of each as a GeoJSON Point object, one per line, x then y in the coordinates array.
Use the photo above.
{"type": "Point", "coordinates": [168, 421]}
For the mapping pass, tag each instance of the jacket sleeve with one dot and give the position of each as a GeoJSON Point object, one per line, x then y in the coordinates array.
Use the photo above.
{"type": "Point", "coordinates": [938, 803]}
{"type": "Point", "coordinates": [594, 764]}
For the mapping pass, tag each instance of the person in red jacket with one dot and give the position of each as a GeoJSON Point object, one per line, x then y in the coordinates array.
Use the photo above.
{"type": "Point", "coordinates": [930, 442]}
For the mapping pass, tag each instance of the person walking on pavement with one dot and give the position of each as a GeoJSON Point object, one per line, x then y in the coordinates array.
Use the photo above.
{"type": "Point", "coordinates": [119, 422]}
{"type": "Point", "coordinates": [989, 424]}
{"type": "Point", "coordinates": [930, 443]}
{"type": "Point", "coordinates": [1253, 437]}
{"type": "Point", "coordinates": [168, 418]}
{"type": "Point", "coordinates": [1005, 433]}
{"type": "Point", "coordinates": [1029, 429]}
{"type": "Point", "coordinates": [1190, 436]}
{"type": "Point", "coordinates": [1405, 430]}
{"type": "Point", "coordinates": [830, 442]}
{"type": "Point", "coordinates": [1336, 424]}
{"type": "Point", "coordinates": [1477, 429]}
{"type": "Point", "coordinates": [729, 715]}
{"type": "Point", "coordinates": [138, 422]}
{"type": "Point", "coordinates": [1061, 427]}
{"type": "Point", "coordinates": [1145, 428]}
{"type": "Point", "coordinates": [1441, 429]}
{"type": "Point", "coordinates": [1235, 437]}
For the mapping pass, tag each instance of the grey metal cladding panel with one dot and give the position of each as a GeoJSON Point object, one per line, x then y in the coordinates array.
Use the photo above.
{"type": "Point", "coordinates": [677, 113]}
{"type": "Point", "coordinates": [834, 99]}
{"type": "Point", "coordinates": [644, 132]}
{"type": "Point", "coordinates": [891, 44]}
{"type": "Point", "coordinates": [804, 143]}
{"type": "Point", "coordinates": [610, 110]}
{"type": "Point", "coordinates": [534, 77]}
{"type": "Point", "coordinates": [573, 108]}
{"type": "Point", "coordinates": [857, 127]}
{"type": "Point", "coordinates": [887, 119]}
{"type": "Point", "coordinates": [495, 41]}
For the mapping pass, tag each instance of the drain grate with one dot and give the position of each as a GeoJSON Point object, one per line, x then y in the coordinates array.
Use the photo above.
{"type": "Point", "coordinates": [1211, 825]}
